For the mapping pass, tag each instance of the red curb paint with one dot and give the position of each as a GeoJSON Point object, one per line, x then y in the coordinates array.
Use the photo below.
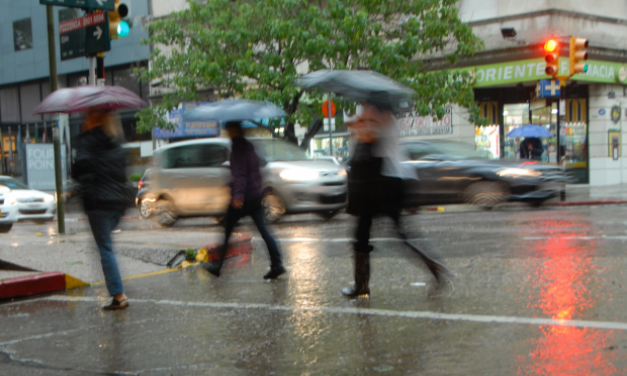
{"type": "Point", "coordinates": [2, 293]}
{"type": "Point", "coordinates": [241, 245]}
{"type": "Point", "coordinates": [33, 284]}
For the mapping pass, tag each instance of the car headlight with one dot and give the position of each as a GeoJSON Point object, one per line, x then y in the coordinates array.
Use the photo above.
{"type": "Point", "coordinates": [519, 173]}
{"type": "Point", "coordinates": [298, 175]}
{"type": "Point", "coordinates": [48, 198]}
{"type": "Point", "coordinates": [10, 200]}
{"type": "Point", "coordinates": [342, 173]}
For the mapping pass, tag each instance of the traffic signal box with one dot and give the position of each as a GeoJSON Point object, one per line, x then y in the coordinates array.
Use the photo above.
{"type": "Point", "coordinates": [551, 49]}
{"type": "Point", "coordinates": [118, 27]}
{"type": "Point", "coordinates": [578, 55]}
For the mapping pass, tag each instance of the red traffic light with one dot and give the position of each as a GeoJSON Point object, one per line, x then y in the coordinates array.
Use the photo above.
{"type": "Point", "coordinates": [550, 45]}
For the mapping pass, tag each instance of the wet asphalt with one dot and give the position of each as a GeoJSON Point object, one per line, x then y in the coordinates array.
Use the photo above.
{"type": "Point", "coordinates": [538, 292]}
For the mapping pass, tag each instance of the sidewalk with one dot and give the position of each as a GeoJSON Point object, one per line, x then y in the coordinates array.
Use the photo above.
{"type": "Point", "coordinates": [76, 256]}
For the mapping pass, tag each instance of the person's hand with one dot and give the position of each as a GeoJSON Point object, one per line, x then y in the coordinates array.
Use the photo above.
{"type": "Point", "coordinates": [237, 203]}
{"type": "Point", "coordinates": [530, 147]}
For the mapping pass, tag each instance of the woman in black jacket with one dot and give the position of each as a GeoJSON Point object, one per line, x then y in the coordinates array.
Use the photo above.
{"type": "Point", "coordinates": [98, 167]}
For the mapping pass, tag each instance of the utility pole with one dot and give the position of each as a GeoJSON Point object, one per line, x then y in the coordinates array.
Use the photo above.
{"type": "Point", "coordinates": [52, 63]}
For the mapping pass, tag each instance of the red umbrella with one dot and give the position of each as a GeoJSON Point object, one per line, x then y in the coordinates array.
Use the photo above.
{"type": "Point", "coordinates": [84, 98]}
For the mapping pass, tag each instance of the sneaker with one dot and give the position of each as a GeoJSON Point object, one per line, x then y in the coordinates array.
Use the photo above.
{"type": "Point", "coordinates": [212, 268]}
{"type": "Point", "coordinates": [274, 272]}
{"type": "Point", "coordinates": [116, 304]}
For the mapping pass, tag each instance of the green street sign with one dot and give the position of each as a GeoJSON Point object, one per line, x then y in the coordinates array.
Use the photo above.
{"type": "Point", "coordinates": [92, 4]}
{"type": "Point", "coordinates": [84, 36]}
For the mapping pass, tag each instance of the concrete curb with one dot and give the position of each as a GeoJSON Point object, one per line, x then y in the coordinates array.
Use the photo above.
{"type": "Point", "coordinates": [38, 284]}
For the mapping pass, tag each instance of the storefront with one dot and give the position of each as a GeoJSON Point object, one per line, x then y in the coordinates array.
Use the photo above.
{"type": "Point", "coordinates": [507, 96]}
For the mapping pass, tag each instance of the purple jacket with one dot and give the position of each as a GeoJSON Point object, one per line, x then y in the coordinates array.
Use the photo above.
{"type": "Point", "coordinates": [244, 170]}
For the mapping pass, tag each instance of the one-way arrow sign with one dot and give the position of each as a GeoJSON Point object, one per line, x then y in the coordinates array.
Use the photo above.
{"type": "Point", "coordinates": [86, 35]}
{"type": "Point", "coordinates": [98, 32]}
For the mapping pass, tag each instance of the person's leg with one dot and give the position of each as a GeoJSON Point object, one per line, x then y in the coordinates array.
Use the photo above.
{"type": "Point", "coordinates": [102, 224]}
{"type": "Point", "coordinates": [362, 250]}
{"type": "Point", "coordinates": [233, 215]}
{"type": "Point", "coordinates": [276, 264]}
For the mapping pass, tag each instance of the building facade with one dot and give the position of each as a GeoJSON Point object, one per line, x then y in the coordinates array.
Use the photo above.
{"type": "Point", "coordinates": [24, 68]}
{"type": "Point", "coordinates": [507, 71]}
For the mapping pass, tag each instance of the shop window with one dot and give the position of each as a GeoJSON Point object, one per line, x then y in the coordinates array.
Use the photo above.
{"type": "Point", "coordinates": [22, 35]}
{"type": "Point", "coordinates": [126, 79]}
{"type": "Point", "coordinates": [487, 138]}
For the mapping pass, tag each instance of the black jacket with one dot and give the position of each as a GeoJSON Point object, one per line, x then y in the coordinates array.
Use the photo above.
{"type": "Point", "coordinates": [369, 192]}
{"type": "Point", "coordinates": [98, 168]}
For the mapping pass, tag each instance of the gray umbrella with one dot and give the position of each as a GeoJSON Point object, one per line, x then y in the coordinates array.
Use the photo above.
{"type": "Point", "coordinates": [360, 86]}
{"type": "Point", "coordinates": [233, 110]}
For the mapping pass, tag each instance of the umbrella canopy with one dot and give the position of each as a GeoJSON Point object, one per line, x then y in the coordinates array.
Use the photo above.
{"type": "Point", "coordinates": [233, 110]}
{"type": "Point", "coordinates": [360, 86]}
{"type": "Point", "coordinates": [84, 98]}
{"type": "Point", "coordinates": [530, 131]}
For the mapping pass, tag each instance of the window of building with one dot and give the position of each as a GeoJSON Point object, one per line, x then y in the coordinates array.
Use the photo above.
{"type": "Point", "coordinates": [22, 34]}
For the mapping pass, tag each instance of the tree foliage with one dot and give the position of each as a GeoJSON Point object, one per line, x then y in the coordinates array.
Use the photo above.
{"type": "Point", "coordinates": [257, 48]}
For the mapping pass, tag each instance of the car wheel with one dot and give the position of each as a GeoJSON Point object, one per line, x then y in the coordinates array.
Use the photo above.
{"type": "Point", "coordinates": [167, 216]}
{"type": "Point", "coordinates": [146, 209]}
{"type": "Point", "coordinates": [6, 228]}
{"type": "Point", "coordinates": [486, 194]}
{"type": "Point", "coordinates": [273, 207]}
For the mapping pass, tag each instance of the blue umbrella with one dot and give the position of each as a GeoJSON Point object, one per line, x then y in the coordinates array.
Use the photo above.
{"type": "Point", "coordinates": [233, 110]}
{"type": "Point", "coordinates": [530, 131]}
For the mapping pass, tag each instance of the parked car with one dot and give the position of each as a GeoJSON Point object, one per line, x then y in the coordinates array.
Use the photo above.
{"type": "Point", "coordinates": [454, 172]}
{"type": "Point", "coordinates": [31, 205]}
{"type": "Point", "coordinates": [192, 179]}
{"type": "Point", "coordinates": [8, 210]}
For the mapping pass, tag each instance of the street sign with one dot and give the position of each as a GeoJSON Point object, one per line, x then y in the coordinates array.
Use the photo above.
{"type": "Point", "coordinates": [83, 36]}
{"type": "Point", "coordinates": [548, 88]}
{"type": "Point", "coordinates": [325, 109]}
{"type": "Point", "coordinates": [93, 4]}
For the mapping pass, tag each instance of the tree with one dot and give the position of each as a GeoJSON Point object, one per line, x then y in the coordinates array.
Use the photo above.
{"type": "Point", "coordinates": [256, 49]}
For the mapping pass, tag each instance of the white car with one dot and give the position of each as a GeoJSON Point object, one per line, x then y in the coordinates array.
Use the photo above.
{"type": "Point", "coordinates": [8, 210]}
{"type": "Point", "coordinates": [30, 204]}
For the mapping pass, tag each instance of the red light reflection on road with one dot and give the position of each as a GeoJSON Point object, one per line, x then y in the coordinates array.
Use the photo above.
{"type": "Point", "coordinates": [560, 289]}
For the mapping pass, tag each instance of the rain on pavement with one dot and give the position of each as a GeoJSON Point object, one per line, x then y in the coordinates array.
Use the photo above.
{"type": "Point", "coordinates": [538, 292]}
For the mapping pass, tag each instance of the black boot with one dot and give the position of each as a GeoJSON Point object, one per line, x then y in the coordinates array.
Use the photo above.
{"type": "Point", "coordinates": [213, 267]}
{"type": "Point", "coordinates": [362, 277]}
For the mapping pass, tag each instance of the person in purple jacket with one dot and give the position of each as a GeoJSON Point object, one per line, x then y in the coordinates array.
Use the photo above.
{"type": "Point", "coordinates": [246, 200]}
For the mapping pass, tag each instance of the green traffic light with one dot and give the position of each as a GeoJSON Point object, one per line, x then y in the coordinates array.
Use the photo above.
{"type": "Point", "coordinates": [123, 29]}
{"type": "Point", "coordinates": [585, 68]}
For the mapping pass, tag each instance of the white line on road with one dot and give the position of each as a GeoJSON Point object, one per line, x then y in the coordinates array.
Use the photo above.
{"type": "Point", "coordinates": [372, 312]}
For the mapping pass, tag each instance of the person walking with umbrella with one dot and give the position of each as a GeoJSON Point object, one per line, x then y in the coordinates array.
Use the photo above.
{"type": "Point", "coordinates": [246, 177]}
{"type": "Point", "coordinates": [99, 168]}
{"type": "Point", "coordinates": [375, 179]}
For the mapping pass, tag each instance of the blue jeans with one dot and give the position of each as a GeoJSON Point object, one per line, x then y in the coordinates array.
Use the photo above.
{"type": "Point", "coordinates": [254, 208]}
{"type": "Point", "coordinates": [102, 223]}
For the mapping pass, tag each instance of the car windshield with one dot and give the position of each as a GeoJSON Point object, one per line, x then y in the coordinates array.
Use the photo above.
{"type": "Point", "coordinates": [277, 150]}
{"type": "Point", "coordinates": [12, 183]}
{"type": "Point", "coordinates": [451, 149]}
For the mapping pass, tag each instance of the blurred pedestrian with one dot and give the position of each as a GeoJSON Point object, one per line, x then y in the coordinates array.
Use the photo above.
{"type": "Point", "coordinates": [531, 148]}
{"type": "Point", "coordinates": [375, 186]}
{"type": "Point", "coordinates": [99, 169]}
{"type": "Point", "coordinates": [246, 200]}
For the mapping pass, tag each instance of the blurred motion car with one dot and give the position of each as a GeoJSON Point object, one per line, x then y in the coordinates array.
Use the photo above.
{"type": "Point", "coordinates": [192, 179]}
{"type": "Point", "coordinates": [453, 172]}
{"type": "Point", "coordinates": [145, 205]}
{"type": "Point", "coordinates": [30, 204]}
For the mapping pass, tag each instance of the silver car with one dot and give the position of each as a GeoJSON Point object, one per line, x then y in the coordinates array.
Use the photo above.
{"type": "Point", "coordinates": [192, 179]}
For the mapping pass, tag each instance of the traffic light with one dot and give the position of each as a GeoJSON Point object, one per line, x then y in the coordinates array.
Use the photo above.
{"type": "Point", "coordinates": [118, 27]}
{"type": "Point", "coordinates": [551, 48]}
{"type": "Point", "coordinates": [578, 55]}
